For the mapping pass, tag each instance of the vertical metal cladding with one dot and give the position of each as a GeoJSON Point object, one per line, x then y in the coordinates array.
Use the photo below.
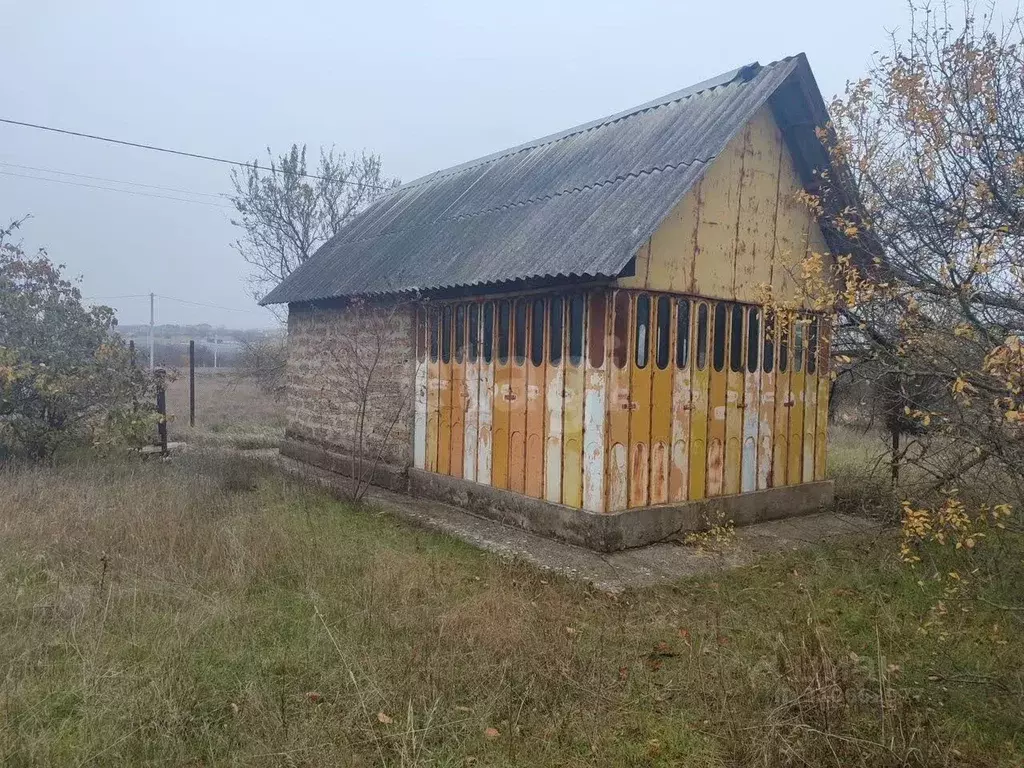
{"type": "Point", "coordinates": [682, 340]}
{"type": "Point", "coordinates": [573, 403]}
{"type": "Point", "coordinates": [620, 401]}
{"type": "Point", "coordinates": [485, 423]}
{"type": "Point", "coordinates": [595, 399]}
{"type": "Point", "coordinates": [554, 399]}
{"type": "Point", "coordinates": [751, 405]}
{"type": "Point", "coordinates": [614, 399]}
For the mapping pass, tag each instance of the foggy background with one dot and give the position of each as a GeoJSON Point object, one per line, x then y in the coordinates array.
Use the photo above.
{"type": "Point", "coordinates": [425, 87]}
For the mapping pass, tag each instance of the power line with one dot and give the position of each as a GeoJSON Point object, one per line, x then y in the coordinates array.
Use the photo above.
{"type": "Point", "coordinates": [210, 306]}
{"type": "Point", "coordinates": [219, 196]}
{"type": "Point", "coordinates": [170, 298]}
{"type": "Point", "coordinates": [113, 189]}
{"type": "Point", "coordinates": [182, 153]}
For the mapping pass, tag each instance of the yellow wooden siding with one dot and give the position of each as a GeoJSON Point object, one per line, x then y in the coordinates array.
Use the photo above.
{"type": "Point", "coordinates": [623, 433]}
{"type": "Point", "coordinates": [740, 229]}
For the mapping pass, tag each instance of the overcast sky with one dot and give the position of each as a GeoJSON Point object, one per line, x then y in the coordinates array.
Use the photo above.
{"type": "Point", "coordinates": [426, 87]}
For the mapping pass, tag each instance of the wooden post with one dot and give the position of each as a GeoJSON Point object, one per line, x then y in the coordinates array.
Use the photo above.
{"type": "Point", "coordinates": [161, 408]}
{"type": "Point", "coordinates": [191, 383]}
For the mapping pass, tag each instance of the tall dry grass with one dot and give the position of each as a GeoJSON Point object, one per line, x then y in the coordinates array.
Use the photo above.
{"type": "Point", "coordinates": [203, 611]}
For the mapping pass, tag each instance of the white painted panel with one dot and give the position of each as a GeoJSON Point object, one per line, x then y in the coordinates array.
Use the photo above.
{"type": "Point", "coordinates": [594, 408]}
{"type": "Point", "coordinates": [751, 417]}
{"type": "Point", "coordinates": [553, 449]}
{"type": "Point", "coordinates": [469, 452]}
{"type": "Point", "coordinates": [485, 400]}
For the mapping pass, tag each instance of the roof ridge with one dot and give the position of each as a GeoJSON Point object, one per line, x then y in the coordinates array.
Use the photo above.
{"type": "Point", "coordinates": [744, 73]}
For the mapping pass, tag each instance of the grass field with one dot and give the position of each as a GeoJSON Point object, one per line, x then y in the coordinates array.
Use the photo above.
{"type": "Point", "coordinates": [204, 611]}
{"type": "Point", "coordinates": [230, 411]}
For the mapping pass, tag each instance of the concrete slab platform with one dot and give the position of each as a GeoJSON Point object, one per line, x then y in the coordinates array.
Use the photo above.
{"type": "Point", "coordinates": [612, 572]}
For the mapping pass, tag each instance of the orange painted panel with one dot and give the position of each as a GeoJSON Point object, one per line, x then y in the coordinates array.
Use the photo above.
{"type": "Point", "coordinates": [502, 399]}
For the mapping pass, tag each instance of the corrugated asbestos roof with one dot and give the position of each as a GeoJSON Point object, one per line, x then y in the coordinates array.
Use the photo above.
{"type": "Point", "coordinates": [575, 204]}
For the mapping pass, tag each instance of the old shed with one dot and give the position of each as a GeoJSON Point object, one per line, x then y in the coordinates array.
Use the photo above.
{"type": "Point", "coordinates": [584, 339]}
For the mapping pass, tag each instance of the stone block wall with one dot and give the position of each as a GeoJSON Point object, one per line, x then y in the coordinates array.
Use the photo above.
{"type": "Point", "coordinates": [344, 359]}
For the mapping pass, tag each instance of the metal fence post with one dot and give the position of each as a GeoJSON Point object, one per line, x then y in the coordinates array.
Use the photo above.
{"type": "Point", "coordinates": [191, 382]}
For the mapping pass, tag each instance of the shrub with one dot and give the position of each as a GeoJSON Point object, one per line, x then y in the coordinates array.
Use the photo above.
{"type": "Point", "coordinates": [65, 378]}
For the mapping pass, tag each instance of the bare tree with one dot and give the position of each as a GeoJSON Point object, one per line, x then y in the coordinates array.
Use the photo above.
{"type": "Point", "coordinates": [360, 385]}
{"type": "Point", "coordinates": [288, 212]}
{"type": "Point", "coordinates": [933, 139]}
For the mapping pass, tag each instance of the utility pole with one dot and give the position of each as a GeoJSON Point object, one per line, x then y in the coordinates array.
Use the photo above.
{"type": "Point", "coordinates": [151, 315]}
{"type": "Point", "coordinates": [216, 340]}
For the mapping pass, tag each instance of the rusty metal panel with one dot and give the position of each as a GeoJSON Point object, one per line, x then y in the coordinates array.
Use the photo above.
{"type": "Point", "coordinates": [620, 401]}
{"type": "Point", "coordinates": [732, 468]}
{"type": "Point", "coordinates": [554, 400]}
{"type": "Point", "coordinates": [717, 394]}
{"type": "Point", "coordinates": [792, 220]}
{"type": "Point", "coordinates": [699, 393]}
{"type": "Point", "coordinates": [444, 432]}
{"type": "Point", "coordinates": [783, 403]}
{"type": "Point", "coordinates": [536, 388]}
{"type": "Point", "coordinates": [751, 400]}
{"type": "Point", "coordinates": [433, 389]}
{"type": "Point", "coordinates": [595, 401]}
{"type": "Point", "coordinates": [518, 395]}
{"type": "Point", "coordinates": [763, 145]}
{"type": "Point", "coordinates": [486, 395]}
{"type": "Point", "coordinates": [810, 400]}
{"type": "Point", "coordinates": [503, 394]}
{"type": "Point", "coordinates": [797, 379]}
{"type": "Point", "coordinates": [715, 259]}
{"type": "Point", "coordinates": [673, 246]}
{"type": "Point", "coordinates": [640, 402]}
{"type": "Point", "coordinates": [682, 357]}
{"type": "Point", "coordinates": [662, 365]}
{"type": "Point", "coordinates": [472, 418]}
{"type": "Point", "coordinates": [572, 456]}
{"type": "Point", "coordinates": [810, 426]}
{"type": "Point", "coordinates": [459, 398]}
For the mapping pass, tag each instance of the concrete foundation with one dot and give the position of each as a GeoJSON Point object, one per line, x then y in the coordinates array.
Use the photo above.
{"type": "Point", "coordinates": [602, 532]}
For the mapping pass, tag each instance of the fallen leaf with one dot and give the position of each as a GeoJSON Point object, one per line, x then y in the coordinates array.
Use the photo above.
{"type": "Point", "coordinates": [384, 718]}
{"type": "Point", "coordinates": [313, 696]}
{"type": "Point", "coordinates": [623, 673]}
{"type": "Point", "coordinates": [491, 733]}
